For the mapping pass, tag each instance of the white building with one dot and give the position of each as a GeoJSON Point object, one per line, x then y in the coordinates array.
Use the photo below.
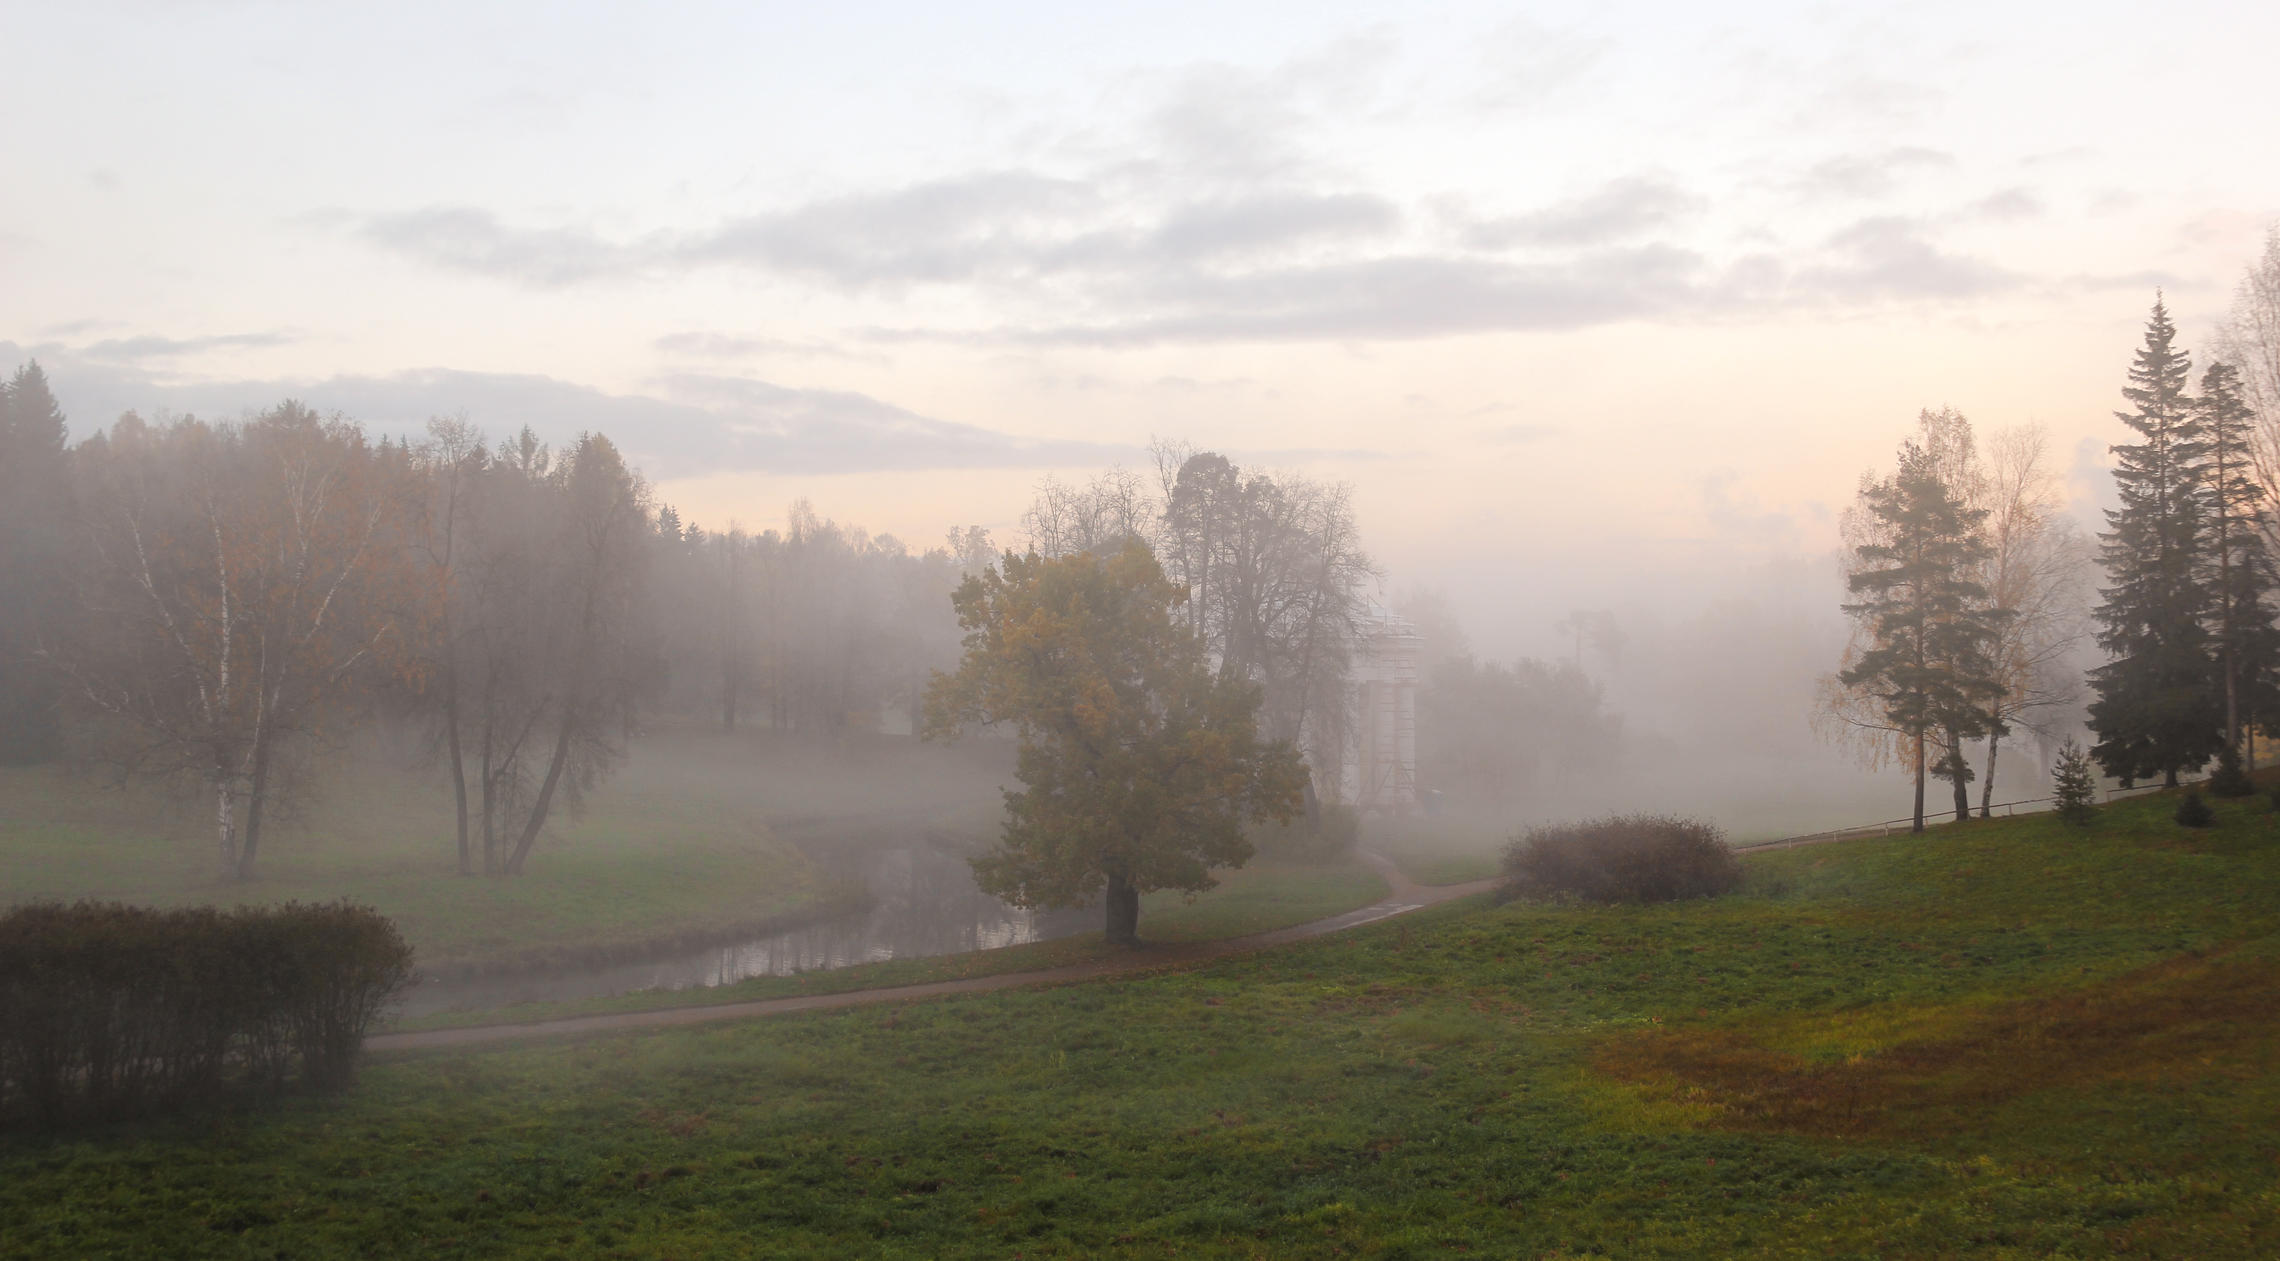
{"type": "Point", "coordinates": [1378, 771]}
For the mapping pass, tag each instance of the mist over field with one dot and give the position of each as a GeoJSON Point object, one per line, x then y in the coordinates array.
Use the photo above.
{"type": "Point", "coordinates": [1196, 631]}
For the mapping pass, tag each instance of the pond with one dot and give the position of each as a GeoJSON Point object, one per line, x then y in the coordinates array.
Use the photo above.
{"type": "Point", "coordinates": [923, 902]}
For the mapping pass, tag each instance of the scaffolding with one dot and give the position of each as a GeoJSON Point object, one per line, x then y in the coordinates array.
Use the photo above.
{"type": "Point", "coordinates": [1378, 772]}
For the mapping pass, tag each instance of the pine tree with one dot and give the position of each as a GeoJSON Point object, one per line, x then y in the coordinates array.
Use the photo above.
{"type": "Point", "coordinates": [2158, 711]}
{"type": "Point", "coordinates": [2075, 784]}
{"type": "Point", "coordinates": [1931, 625]}
{"type": "Point", "coordinates": [34, 509]}
{"type": "Point", "coordinates": [2248, 646]}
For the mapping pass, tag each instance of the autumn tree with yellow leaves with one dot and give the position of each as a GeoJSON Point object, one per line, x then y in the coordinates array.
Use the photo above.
{"type": "Point", "coordinates": [1141, 764]}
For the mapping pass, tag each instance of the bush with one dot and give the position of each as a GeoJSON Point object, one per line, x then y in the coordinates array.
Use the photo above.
{"type": "Point", "coordinates": [2194, 812]}
{"type": "Point", "coordinates": [1624, 858]}
{"type": "Point", "coordinates": [109, 1010]}
{"type": "Point", "coordinates": [2230, 780]}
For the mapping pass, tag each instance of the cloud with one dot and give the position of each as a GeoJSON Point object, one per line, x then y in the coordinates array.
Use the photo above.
{"type": "Point", "coordinates": [2011, 205]}
{"type": "Point", "coordinates": [131, 348]}
{"type": "Point", "coordinates": [1404, 296]}
{"type": "Point", "coordinates": [702, 345]}
{"type": "Point", "coordinates": [1886, 258]}
{"type": "Point", "coordinates": [1620, 209]}
{"type": "Point", "coordinates": [694, 424]}
{"type": "Point", "coordinates": [1865, 175]}
{"type": "Point", "coordinates": [462, 238]}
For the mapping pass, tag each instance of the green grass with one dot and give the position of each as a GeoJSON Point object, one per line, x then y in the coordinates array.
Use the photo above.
{"type": "Point", "coordinates": [1447, 849]}
{"type": "Point", "coordinates": [1263, 896]}
{"type": "Point", "coordinates": [2008, 1039]}
{"type": "Point", "coordinates": [646, 863]}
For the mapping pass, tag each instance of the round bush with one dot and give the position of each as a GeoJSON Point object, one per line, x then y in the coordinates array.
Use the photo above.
{"type": "Point", "coordinates": [1624, 858]}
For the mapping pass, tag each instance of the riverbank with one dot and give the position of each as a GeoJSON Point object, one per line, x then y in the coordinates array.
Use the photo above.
{"type": "Point", "coordinates": [2011, 1038]}
{"type": "Point", "coordinates": [1266, 895]}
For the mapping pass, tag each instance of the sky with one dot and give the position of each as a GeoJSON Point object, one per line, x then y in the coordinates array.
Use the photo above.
{"type": "Point", "coordinates": [1585, 301]}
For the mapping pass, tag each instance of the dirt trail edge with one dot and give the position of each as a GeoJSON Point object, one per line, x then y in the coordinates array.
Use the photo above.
{"type": "Point", "coordinates": [1405, 896]}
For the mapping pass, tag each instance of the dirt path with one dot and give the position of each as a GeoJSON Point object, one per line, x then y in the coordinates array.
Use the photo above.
{"type": "Point", "coordinates": [1404, 896]}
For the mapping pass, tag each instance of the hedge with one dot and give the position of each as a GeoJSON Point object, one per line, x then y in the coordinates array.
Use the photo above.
{"type": "Point", "coordinates": [108, 1010]}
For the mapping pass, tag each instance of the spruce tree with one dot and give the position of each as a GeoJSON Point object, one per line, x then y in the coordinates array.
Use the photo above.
{"type": "Point", "coordinates": [1932, 628]}
{"type": "Point", "coordinates": [2248, 646]}
{"type": "Point", "coordinates": [34, 510]}
{"type": "Point", "coordinates": [2074, 784]}
{"type": "Point", "coordinates": [2158, 710]}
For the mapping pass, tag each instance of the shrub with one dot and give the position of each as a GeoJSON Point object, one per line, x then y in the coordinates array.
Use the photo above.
{"type": "Point", "coordinates": [1624, 858]}
{"type": "Point", "coordinates": [2230, 780]}
{"type": "Point", "coordinates": [2075, 785]}
{"type": "Point", "coordinates": [109, 1010]}
{"type": "Point", "coordinates": [2194, 812]}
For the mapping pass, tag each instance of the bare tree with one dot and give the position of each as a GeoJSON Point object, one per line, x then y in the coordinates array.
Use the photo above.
{"type": "Point", "coordinates": [2038, 571]}
{"type": "Point", "coordinates": [2250, 343]}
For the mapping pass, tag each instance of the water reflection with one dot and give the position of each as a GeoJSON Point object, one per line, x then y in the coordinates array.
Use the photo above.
{"type": "Point", "coordinates": [923, 903]}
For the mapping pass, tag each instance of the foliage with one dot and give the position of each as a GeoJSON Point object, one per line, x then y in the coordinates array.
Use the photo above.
{"type": "Point", "coordinates": [1622, 858]}
{"type": "Point", "coordinates": [2230, 780]}
{"type": "Point", "coordinates": [2239, 564]}
{"type": "Point", "coordinates": [109, 1010]}
{"type": "Point", "coordinates": [1141, 763]}
{"type": "Point", "coordinates": [2192, 812]}
{"type": "Point", "coordinates": [1979, 1044]}
{"type": "Point", "coordinates": [2157, 711]}
{"type": "Point", "coordinates": [2075, 785]}
{"type": "Point", "coordinates": [35, 515]}
{"type": "Point", "coordinates": [1928, 662]}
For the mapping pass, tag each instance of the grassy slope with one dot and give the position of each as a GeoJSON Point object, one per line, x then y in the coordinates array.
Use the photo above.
{"type": "Point", "coordinates": [2005, 1040]}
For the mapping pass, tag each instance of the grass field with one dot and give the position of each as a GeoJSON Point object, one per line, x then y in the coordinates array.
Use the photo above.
{"type": "Point", "coordinates": [2007, 1039]}
{"type": "Point", "coordinates": [1447, 849]}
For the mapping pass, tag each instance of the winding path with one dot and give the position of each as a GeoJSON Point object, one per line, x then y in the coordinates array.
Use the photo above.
{"type": "Point", "coordinates": [1404, 896]}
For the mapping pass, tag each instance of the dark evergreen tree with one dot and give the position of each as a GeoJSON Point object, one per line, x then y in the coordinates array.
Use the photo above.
{"type": "Point", "coordinates": [2248, 646]}
{"type": "Point", "coordinates": [2193, 812]}
{"type": "Point", "coordinates": [2075, 784]}
{"type": "Point", "coordinates": [2158, 709]}
{"type": "Point", "coordinates": [34, 508]}
{"type": "Point", "coordinates": [1932, 627]}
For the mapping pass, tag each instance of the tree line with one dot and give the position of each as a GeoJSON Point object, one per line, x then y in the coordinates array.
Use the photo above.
{"type": "Point", "coordinates": [1970, 589]}
{"type": "Point", "coordinates": [221, 601]}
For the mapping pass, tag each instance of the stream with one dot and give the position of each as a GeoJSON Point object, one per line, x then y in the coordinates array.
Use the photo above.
{"type": "Point", "coordinates": [923, 902]}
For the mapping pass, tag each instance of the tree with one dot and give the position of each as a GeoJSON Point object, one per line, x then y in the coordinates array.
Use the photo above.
{"type": "Point", "coordinates": [2156, 711]}
{"type": "Point", "coordinates": [35, 508]}
{"type": "Point", "coordinates": [1930, 630]}
{"type": "Point", "coordinates": [2249, 343]}
{"type": "Point", "coordinates": [241, 581]}
{"type": "Point", "coordinates": [2036, 574]}
{"type": "Point", "coordinates": [2075, 784]}
{"type": "Point", "coordinates": [2248, 648]}
{"type": "Point", "coordinates": [1141, 764]}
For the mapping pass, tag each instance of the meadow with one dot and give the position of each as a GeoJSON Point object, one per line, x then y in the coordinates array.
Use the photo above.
{"type": "Point", "coordinates": [2009, 1038]}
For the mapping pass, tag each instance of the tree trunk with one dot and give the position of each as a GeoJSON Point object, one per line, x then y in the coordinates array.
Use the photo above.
{"type": "Point", "coordinates": [1123, 904]}
{"type": "Point", "coordinates": [490, 806]}
{"type": "Point", "coordinates": [2169, 779]}
{"type": "Point", "coordinates": [458, 766]}
{"type": "Point", "coordinates": [545, 799]}
{"type": "Point", "coordinates": [225, 821]}
{"type": "Point", "coordinates": [1919, 822]}
{"type": "Point", "coordinates": [1987, 787]}
{"type": "Point", "coordinates": [255, 799]}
